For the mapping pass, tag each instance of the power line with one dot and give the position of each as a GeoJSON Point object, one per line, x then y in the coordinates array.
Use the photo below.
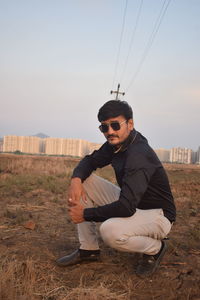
{"type": "Point", "coordinates": [151, 40]}
{"type": "Point", "coordinates": [132, 40]}
{"type": "Point", "coordinates": [120, 42]}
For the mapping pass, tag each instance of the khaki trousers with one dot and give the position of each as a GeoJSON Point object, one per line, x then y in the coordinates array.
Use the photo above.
{"type": "Point", "coordinates": [142, 232]}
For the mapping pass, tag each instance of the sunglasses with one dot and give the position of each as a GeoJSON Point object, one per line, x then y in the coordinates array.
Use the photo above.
{"type": "Point", "coordinates": [115, 125]}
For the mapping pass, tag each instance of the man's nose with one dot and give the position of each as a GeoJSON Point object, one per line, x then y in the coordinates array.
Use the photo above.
{"type": "Point", "coordinates": [110, 130]}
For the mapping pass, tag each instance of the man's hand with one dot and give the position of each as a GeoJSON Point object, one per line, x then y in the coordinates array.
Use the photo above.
{"type": "Point", "coordinates": [76, 192]}
{"type": "Point", "coordinates": [76, 213]}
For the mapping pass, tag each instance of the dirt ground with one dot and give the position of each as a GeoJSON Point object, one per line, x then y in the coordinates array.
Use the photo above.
{"type": "Point", "coordinates": [35, 230]}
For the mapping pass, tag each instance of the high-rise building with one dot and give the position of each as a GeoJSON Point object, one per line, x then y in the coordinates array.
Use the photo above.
{"type": "Point", "coordinates": [181, 155]}
{"type": "Point", "coordinates": [25, 144]}
{"type": "Point", "coordinates": [94, 146]}
{"type": "Point", "coordinates": [80, 148]}
{"type": "Point", "coordinates": [198, 156]}
{"type": "Point", "coordinates": [163, 154]}
{"type": "Point", "coordinates": [1, 145]}
{"type": "Point", "coordinates": [61, 146]}
{"type": "Point", "coordinates": [194, 157]}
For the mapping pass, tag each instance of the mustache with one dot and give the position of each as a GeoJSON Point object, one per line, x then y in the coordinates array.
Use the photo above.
{"type": "Point", "coordinates": [111, 135]}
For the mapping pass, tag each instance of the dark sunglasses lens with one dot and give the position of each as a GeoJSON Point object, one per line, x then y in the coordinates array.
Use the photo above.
{"type": "Point", "coordinates": [115, 126]}
{"type": "Point", "coordinates": [103, 127]}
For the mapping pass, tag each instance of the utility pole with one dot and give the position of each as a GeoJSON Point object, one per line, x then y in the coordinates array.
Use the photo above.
{"type": "Point", "coordinates": [117, 92]}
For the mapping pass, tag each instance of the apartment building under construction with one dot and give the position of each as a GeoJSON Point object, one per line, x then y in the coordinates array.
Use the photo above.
{"type": "Point", "coordinates": [61, 146]}
{"type": "Point", "coordinates": [163, 154]}
{"type": "Point", "coordinates": [181, 155]}
{"type": "Point", "coordinates": [26, 144]}
{"type": "Point", "coordinates": [49, 146]}
{"type": "Point", "coordinates": [80, 148]}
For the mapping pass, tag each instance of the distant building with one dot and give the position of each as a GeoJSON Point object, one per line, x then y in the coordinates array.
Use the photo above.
{"type": "Point", "coordinates": [198, 156]}
{"type": "Point", "coordinates": [163, 154]}
{"type": "Point", "coordinates": [1, 145]}
{"type": "Point", "coordinates": [181, 155]}
{"type": "Point", "coordinates": [50, 146]}
{"type": "Point", "coordinates": [61, 146]}
{"type": "Point", "coordinates": [25, 144]}
{"type": "Point", "coordinates": [80, 148]}
{"type": "Point", "coordinates": [42, 145]}
{"type": "Point", "coordinates": [194, 157]}
{"type": "Point", "coordinates": [94, 146]}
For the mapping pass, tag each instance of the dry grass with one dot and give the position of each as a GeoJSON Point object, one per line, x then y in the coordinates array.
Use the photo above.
{"type": "Point", "coordinates": [35, 188]}
{"type": "Point", "coordinates": [17, 279]}
{"type": "Point", "coordinates": [25, 280]}
{"type": "Point", "coordinates": [14, 164]}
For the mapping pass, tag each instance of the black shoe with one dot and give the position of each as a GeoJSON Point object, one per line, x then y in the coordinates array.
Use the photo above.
{"type": "Point", "coordinates": [79, 256]}
{"type": "Point", "coordinates": [149, 263]}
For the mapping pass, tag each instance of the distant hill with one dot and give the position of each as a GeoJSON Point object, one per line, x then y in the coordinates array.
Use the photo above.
{"type": "Point", "coordinates": [41, 135]}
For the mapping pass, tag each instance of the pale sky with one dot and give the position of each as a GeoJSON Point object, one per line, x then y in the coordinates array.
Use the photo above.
{"type": "Point", "coordinates": [58, 61]}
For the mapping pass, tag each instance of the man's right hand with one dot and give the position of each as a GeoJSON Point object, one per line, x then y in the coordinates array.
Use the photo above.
{"type": "Point", "coordinates": [76, 192]}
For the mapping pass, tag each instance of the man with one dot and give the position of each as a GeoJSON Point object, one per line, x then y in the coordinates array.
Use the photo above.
{"type": "Point", "coordinates": [137, 215]}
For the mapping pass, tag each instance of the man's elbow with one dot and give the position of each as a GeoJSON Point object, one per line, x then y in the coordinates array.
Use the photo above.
{"type": "Point", "coordinates": [128, 212]}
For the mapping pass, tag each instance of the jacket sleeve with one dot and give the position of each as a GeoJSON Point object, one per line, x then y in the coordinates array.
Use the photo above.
{"type": "Point", "coordinates": [98, 159]}
{"type": "Point", "coordinates": [138, 172]}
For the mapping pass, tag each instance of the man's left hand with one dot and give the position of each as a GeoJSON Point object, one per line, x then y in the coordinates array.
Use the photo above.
{"type": "Point", "coordinates": [76, 213]}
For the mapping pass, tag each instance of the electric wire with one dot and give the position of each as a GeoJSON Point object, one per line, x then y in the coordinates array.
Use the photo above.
{"type": "Point", "coordinates": [120, 42]}
{"type": "Point", "coordinates": [132, 40]}
{"type": "Point", "coordinates": [150, 41]}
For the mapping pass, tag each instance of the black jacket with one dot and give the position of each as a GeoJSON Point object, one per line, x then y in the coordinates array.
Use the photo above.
{"type": "Point", "coordinates": [140, 175]}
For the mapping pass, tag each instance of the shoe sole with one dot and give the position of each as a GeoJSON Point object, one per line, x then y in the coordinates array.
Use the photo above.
{"type": "Point", "coordinates": [77, 262]}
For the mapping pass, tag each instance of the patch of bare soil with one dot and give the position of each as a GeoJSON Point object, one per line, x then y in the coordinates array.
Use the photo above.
{"type": "Point", "coordinates": [35, 230]}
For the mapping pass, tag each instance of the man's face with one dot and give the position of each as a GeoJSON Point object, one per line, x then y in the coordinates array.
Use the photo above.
{"type": "Point", "coordinates": [116, 137]}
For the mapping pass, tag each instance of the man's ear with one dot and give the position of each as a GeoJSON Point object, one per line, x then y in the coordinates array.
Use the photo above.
{"type": "Point", "coordinates": [130, 124]}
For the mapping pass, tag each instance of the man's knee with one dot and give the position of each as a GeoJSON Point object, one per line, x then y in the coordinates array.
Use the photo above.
{"type": "Point", "coordinates": [91, 183]}
{"type": "Point", "coordinates": [111, 234]}
{"type": "Point", "coordinates": [107, 231]}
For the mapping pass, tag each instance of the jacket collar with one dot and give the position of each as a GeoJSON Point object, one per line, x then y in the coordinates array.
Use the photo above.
{"type": "Point", "coordinates": [129, 140]}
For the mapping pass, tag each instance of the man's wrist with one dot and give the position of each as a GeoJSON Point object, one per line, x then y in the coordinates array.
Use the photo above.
{"type": "Point", "coordinates": [76, 179]}
{"type": "Point", "coordinates": [88, 214]}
